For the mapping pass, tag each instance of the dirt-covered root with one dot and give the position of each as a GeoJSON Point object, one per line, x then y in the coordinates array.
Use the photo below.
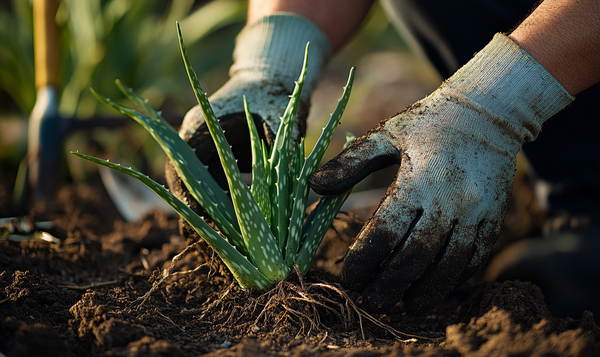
{"type": "Point", "coordinates": [207, 258]}
{"type": "Point", "coordinates": [301, 308]}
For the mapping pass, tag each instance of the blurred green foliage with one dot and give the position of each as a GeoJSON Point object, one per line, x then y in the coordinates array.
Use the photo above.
{"type": "Point", "coordinates": [102, 40]}
{"type": "Point", "coordinates": [16, 54]}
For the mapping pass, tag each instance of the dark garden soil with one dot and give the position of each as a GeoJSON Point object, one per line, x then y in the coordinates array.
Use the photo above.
{"type": "Point", "coordinates": [84, 296]}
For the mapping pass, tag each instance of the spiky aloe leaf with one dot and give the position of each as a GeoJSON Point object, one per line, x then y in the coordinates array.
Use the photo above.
{"type": "Point", "coordinates": [319, 221]}
{"type": "Point", "coordinates": [245, 273]}
{"type": "Point", "coordinates": [280, 157]}
{"type": "Point", "coordinates": [261, 244]}
{"type": "Point", "coordinates": [284, 132]}
{"type": "Point", "coordinates": [193, 173]}
{"type": "Point", "coordinates": [259, 187]}
{"type": "Point", "coordinates": [295, 169]}
{"type": "Point", "coordinates": [310, 165]}
{"type": "Point", "coordinates": [323, 215]}
{"type": "Point", "coordinates": [273, 192]}
{"type": "Point", "coordinates": [146, 108]}
{"type": "Point", "coordinates": [265, 152]}
{"type": "Point", "coordinates": [281, 218]}
{"type": "Point", "coordinates": [313, 160]}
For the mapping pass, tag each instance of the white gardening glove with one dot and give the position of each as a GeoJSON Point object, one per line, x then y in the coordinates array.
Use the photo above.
{"type": "Point", "coordinates": [268, 58]}
{"type": "Point", "coordinates": [457, 149]}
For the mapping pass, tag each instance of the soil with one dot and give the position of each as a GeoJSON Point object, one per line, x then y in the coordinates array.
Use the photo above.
{"type": "Point", "coordinates": [84, 296]}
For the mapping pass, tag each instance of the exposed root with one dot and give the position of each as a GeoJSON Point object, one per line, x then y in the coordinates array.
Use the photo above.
{"type": "Point", "coordinates": [89, 286]}
{"type": "Point", "coordinates": [171, 321]}
{"type": "Point", "coordinates": [314, 308]}
{"type": "Point", "coordinates": [216, 303]}
{"type": "Point", "coordinates": [167, 273]}
{"type": "Point", "coordinates": [361, 313]}
{"type": "Point", "coordinates": [301, 307]}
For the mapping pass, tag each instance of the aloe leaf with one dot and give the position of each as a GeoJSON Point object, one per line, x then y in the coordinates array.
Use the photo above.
{"type": "Point", "coordinates": [284, 132]}
{"type": "Point", "coordinates": [261, 244]}
{"type": "Point", "coordinates": [321, 219]}
{"type": "Point", "coordinates": [209, 194]}
{"type": "Point", "coordinates": [280, 157]}
{"type": "Point", "coordinates": [308, 222]}
{"type": "Point", "coordinates": [259, 188]}
{"type": "Point", "coordinates": [230, 231]}
{"type": "Point", "coordinates": [295, 169]}
{"type": "Point", "coordinates": [273, 192]}
{"type": "Point", "coordinates": [281, 171]}
{"type": "Point", "coordinates": [265, 153]}
{"type": "Point", "coordinates": [312, 161]}
{"type": "Point", "coordinates": [146, 108]}
{"type": "Point", "coordinates": [245, 273]}
{"type": "Point", "coordinates": [310, 165]}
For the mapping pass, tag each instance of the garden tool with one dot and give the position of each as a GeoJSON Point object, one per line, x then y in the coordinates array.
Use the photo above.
{"type": "Point", "coordinates": [46, 129]}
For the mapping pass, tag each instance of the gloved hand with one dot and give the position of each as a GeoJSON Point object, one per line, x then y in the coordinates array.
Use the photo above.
{"type": "Point", "coordinates": [268, 59]}
{"type": "Point", "coordinates": [457, 149]}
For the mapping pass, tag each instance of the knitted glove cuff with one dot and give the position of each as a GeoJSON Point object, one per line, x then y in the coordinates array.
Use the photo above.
{"type": "Point", "coordinates": [511, 86]}
{"type": "Point", "coordinates": [271, 49]}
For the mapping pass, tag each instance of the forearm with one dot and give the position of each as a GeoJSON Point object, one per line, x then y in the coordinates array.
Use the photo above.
{"type": "Point", "coordinates": [338, 19]}
{"type": "Point", "coordinates": [564, 37]}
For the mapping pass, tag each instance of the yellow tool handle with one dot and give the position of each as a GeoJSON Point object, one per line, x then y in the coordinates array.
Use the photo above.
{"type": "Point", "coordinates": [45, 43]}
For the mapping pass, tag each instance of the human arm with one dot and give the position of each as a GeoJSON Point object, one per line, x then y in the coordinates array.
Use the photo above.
{"type": "Point", "coordinates": [338, 19]}
{"type": "Point", "coordinates": [564, 37]}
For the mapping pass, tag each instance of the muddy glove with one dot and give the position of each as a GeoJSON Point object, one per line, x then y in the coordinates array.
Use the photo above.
{"type": "Point", "coordinates": [268, 58]}
{"type": "Point", "coordinates": [457, 152]}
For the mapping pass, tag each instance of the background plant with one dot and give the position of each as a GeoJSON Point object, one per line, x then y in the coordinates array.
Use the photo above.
{"type": "Point", "coordinates": [124, 39]}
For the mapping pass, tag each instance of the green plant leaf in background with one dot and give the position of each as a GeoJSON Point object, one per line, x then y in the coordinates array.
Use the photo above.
{"type": "Point", "coordinates": [127, 39]}
{"type": "Point", "coordinates": [16, 54]}
{"type": "Point", "coordinates": [143, 51]}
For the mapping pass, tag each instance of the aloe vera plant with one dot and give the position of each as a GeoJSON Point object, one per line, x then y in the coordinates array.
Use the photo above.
{"type": "Point", "coordinates": [262, 232]}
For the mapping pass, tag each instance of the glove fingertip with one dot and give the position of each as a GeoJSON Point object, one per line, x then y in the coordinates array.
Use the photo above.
{"type": "Point", "coordinates": [350, 279]}
{"type": "Point", "coordinates": [379, 301]}
{"type": "Point", "coordinates": [330, 180]}
{"type": "Point", "coordinates": [369, 153]}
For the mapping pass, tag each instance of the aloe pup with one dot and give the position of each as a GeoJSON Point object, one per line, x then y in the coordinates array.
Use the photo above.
{"type": "Point", "coordinates": [261, 229]}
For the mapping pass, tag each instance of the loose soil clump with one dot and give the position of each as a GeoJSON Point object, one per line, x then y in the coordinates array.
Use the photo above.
{"type": "Point", "coordinates": [86, 295]}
